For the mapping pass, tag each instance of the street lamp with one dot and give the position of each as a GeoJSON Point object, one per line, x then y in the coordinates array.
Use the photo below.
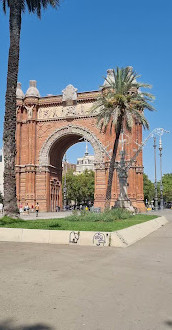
{"type": "Point", "coordinates": [159, 132]}
{"type": "Point", "coordinates": [64, 187]}
{"type": "Point", "coordinates": [155, 184]}
{"type": "Point", "coordinates": [161, 186]}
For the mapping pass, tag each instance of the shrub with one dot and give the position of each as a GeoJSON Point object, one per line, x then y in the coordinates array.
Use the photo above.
{"type": "Point", "coordinates": [106, 216]}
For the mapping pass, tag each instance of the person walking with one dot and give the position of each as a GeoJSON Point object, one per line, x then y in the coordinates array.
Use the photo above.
{"type": "Point", "coordinates": [27, 208]}
{"type": "Point", "coordinates": [21, 208]}
{"type": "Point", "coordinates": [1, 208]}
{"type": "Point", "coordinates": [37, 209]}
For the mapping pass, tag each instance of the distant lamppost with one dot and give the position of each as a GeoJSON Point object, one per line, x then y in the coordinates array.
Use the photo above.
{"type": "Point", "coordinates": [155, 184]}
{"type": "Point", "coordinates": [64, 187]}
{"type": "Point", "coordinates": [161, 186]}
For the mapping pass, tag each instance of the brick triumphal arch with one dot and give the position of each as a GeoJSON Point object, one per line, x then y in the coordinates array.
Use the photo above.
{"type": "Point", "coordinates": [46, 128]}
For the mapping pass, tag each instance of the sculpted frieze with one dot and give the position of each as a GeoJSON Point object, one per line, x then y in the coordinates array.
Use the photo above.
{"type": "Point", "coordinates": [58, 112]}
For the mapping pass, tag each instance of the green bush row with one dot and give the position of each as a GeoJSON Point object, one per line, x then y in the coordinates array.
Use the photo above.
{"type": "Point", "coordinates": [106, 216]}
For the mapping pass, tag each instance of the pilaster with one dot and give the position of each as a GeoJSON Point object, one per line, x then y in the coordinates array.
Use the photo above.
{"type": "Point", "coordinates": [100, 185]}
{"type": "Point", "coordinates": [31, 107]}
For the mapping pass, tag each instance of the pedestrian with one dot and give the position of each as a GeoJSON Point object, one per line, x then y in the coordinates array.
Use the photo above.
{"type": "Point", "coordinates": [37, 209]}
{"type": "Point", "coordinates": [1, 208]}
{"type": "Point", "coordinates": [27, 208]}
{"type": "Point", "coordinates": [21, 208]}
{"type": "Point", "coordinates": [57, 208]}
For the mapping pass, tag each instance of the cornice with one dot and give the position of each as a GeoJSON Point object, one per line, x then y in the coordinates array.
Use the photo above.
{"type": "Point", "coordinates": [57, 99]}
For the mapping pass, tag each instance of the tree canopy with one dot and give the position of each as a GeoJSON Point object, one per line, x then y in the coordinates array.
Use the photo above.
{"type": "Point", "coordinates": [80, 188]}
{"type": "Point", "coordinates": [32, 5]}
{"type": "Point", "coordinates": [148, 188]}
{"type": "Point", "coordinates": [167, 187]}
{"type": "Point", "coordinates": [122, 101]}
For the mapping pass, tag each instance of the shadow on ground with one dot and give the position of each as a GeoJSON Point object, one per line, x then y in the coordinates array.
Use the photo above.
{"type": "Point", "coordinates": [169, 323]}
{"type": "Point", "coordinates": [8, 325]}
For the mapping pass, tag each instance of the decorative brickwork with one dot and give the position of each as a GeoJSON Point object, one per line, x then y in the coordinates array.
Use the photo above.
{"type": "Point", "coordinates": [46, 128]}
{"type": "Point", "coordinates": [66, 131]}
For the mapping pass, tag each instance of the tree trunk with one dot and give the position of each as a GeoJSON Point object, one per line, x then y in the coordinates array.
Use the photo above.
{"type": "Point", "coordinates": [9, 142]}
{"type": "Point", "coordinates": [111, 167]}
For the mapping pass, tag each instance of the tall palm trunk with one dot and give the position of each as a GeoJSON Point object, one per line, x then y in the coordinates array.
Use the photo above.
{"type": "Point", "coordinates": [112, 164]}
{"type": "Point", "coordinates": [9, 143]}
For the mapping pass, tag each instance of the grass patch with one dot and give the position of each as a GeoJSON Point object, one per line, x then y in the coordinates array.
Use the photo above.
{"type": "Point", "coordinates": [108, 221]}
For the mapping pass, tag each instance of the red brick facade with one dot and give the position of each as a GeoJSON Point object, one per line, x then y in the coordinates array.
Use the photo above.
{"type": "Point", "coordinates": [46, 128]}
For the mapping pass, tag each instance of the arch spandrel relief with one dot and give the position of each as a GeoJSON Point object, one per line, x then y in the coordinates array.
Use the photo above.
{"type": "Point", "coordinates": [61, 112]}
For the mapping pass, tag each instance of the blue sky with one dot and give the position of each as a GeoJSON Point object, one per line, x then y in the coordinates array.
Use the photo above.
{"type": "Point", "coordinates": [82, 39]}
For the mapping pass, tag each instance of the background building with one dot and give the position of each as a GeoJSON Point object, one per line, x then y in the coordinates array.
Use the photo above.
{"type": "Point", "coordinates": [68, 166]}
{"type": "Point", "coordinates": [85, 163]}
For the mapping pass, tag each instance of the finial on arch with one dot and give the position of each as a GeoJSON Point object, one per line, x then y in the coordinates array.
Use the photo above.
{"type": "Point", "coordinates": [19, 92]}
{"type": "Point", "coordinates": [32, 90]}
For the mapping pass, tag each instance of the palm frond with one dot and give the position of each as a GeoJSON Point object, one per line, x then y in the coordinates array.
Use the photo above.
{"type": "Point", "coordinates": [33, 5]}
{"type": "Point", "coordinates": [128, 120]}
{"type": "Point", "coordinates": [140, 118]}
{"type": "Point", "coordinates": [4, 6]}
{"type": "Point", "coordinates": [121, 98]}
{"type": "Point", "coordinates": [143, 85]}
{"type": "Point", "coordinates": [148, 95]}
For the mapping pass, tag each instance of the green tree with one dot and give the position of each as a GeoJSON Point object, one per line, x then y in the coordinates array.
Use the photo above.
{"type": "Point", "coordinates": [167, 187]}
{"type": "Point", "coordinates": [72, 186]}
{"type": "Point", "coordinates": [16, 7]}
{"type": "Point", "coordinates": [86, 183]}
{"type": "Point", "coordinates": [148, 188]}
{"type": "Point", "coordinates": [119, 106]}
{"type": "Point", "coordinates": [80, 188]}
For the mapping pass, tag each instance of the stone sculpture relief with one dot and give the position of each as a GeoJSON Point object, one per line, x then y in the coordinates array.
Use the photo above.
{"type": "Point", "coordinates": [61, 112]}
{"type": "Point", "coordinates": [69, 93]}
{"type": "Point", "coordinates": [29, 111]}
{"type": "Point", "coordinates": [70, 111]}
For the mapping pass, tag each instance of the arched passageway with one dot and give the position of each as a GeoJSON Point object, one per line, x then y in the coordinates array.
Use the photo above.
{"type": "Point", "coordinates": [52, 154]}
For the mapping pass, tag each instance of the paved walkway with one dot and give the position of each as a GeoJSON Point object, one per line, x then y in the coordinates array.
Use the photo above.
{"type": "Point", "coordinates": [166, 212]}
{"type": "Point", "coordinates": [45, 215]}
{"type": "Point", "coordinates": [46, 287]}
{"type": "Point", "coordinates": [56, 215]}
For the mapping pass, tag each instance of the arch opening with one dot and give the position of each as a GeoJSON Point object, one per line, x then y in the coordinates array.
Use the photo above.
{"type": "Point", "coordinates": [52, 154]}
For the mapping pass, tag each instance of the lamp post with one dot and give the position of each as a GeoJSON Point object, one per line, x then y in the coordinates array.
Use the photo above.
{"type": "Point", "coordinates": [161, 186]}
{"type": "Point", "coordinates": [64, 188]}
{"type": "Point", "coordinates": [155, 184]}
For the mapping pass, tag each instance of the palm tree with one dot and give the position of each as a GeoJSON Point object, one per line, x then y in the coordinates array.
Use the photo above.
{"type": "Point", "coordinates": [120, 104]}
{"type": "Point", "coordinates": [16, 7]}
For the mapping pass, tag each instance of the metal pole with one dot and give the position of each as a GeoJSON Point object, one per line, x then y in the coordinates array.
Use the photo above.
{"type": "Point", "coordinates": [64, 188]}
{"type": "Point", "coordinates": [155, 184]}
{"type": "Point", "coordinates": [161, 186]}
